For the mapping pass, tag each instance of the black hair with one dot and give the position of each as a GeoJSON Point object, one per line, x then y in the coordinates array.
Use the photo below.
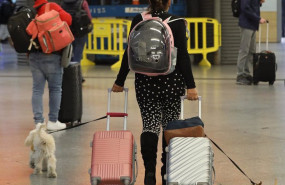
{"type": "Point", "coordinates": [158, 5]}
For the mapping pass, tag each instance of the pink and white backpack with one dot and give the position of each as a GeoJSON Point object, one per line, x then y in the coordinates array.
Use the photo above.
{"type": "Point", "coordinates": [151, 48]}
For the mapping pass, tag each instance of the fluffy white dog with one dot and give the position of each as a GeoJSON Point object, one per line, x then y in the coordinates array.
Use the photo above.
{"type": "Point", "coordinates": [42, 156]}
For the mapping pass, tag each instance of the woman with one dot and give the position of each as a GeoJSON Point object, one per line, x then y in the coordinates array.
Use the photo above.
{"type": "Point", "coordinates": [47, 68]}
{"type": "Point", "coordinates": [163, 105]}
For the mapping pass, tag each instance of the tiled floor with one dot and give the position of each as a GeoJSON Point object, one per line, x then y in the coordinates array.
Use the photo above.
{"type": "Point", "coordinates": [248, 122]}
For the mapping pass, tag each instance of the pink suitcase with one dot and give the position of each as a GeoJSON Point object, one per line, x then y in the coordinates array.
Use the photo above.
{"type": "Point", "coordinates": [113, 153]}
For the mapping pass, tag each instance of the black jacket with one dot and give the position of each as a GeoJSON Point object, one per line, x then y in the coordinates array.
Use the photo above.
{"type": "Point", "coordinates": [250, 14]}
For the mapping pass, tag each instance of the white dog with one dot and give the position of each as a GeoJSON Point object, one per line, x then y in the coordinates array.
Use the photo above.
{"type": "Point", "coordinates": [42, 156]}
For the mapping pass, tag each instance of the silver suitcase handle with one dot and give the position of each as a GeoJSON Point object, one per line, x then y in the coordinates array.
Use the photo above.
{"type": "Point", "coordinates": [199, 106]}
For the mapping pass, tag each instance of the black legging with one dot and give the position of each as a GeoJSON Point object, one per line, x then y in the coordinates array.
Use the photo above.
{"type": "Point", "coordinates": [159, 100]}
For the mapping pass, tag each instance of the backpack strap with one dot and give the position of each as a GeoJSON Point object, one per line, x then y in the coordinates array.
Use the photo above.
{"type": "Point", "coordinates": [185, 22]}
{"type": "Point", "coordinates": [167, 20]}
{"type": "Point", "coordinates": [146, 15]}
{"type": "Point", "coordinates": [80, 6]}
{"type": "Point", "coordinates": [47, 7]}
{"type": "Point", "coordinates": [176, 19]}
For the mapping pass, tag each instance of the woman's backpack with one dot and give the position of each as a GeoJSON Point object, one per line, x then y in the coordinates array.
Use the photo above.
{"type": "Point", "coordinates": [53, 33]}
{"type": "Point", "coordinates": [236, 8]}
{"type": "Point", "coordinates": [151, 48]}
{"type": "Point", "coordinates": [81, 23]}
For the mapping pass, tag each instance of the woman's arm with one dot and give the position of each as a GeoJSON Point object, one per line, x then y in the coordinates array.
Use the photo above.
{"type": "Point", "coordinates": [124, 70]}
{"type": "Point", "coordinates": [183, 59]}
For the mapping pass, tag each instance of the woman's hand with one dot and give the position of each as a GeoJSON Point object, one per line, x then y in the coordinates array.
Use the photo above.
{"type": "Point", "coordinates": [117, 88]}
{"type": "Point", "coordinates": [192, 94]}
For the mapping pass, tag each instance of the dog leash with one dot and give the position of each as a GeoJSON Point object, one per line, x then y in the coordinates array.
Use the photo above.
{"type": "Point", "coordinates": [251, 181]}
{"type": "Point", "coordinates": [78, 125]}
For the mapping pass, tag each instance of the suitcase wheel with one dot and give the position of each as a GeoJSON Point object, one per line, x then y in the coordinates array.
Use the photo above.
{"type": "Point", "coordinates": [165, 177]}
{"type": "Point", "coordinates": [271, 82]}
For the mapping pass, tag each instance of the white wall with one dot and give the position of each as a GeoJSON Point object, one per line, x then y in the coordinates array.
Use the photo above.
{"type": "Point", "coordinates": [270, 6]}
{"type": "Point", "coordinates": [275, 6]}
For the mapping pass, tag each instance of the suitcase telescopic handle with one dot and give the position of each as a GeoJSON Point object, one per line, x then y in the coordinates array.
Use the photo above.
{"type": "Point", "coordinates": [117, 114]}
{"type": "Point", "coordinates": [259, 37]}
{"type": "Point", "coordinates": [199, 106]}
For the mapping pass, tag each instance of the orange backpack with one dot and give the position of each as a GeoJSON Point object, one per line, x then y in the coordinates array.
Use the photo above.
{"type": "Point", "coordinates": [53, 33]}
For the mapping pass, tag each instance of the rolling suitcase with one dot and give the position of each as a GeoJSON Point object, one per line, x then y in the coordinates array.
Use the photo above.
{"type": "Point", "coordinates": [189, 159]}
{"type": "Point", "coordinates": [264, 64]}
{"type": "Point", "coordinates": [71, 100]}
{"type": "Point", "coordinates": [113, 153]}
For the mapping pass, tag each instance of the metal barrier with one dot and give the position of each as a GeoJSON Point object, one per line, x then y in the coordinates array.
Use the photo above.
{"type": "Point", "coordinates": [205, 37]}
{"type": "Point", "coordinates": [107, 38]}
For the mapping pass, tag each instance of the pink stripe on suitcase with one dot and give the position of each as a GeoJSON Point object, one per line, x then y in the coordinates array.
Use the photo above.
{"type": "Point", "coordinates": [113, 154]}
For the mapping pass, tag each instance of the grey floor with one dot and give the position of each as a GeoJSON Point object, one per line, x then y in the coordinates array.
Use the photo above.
{"type": "Point", "coordinates": [248, 122]}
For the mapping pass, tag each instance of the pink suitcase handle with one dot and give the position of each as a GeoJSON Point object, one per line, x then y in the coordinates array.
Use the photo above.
{"type": "Point", "coordinates": [117, 114]}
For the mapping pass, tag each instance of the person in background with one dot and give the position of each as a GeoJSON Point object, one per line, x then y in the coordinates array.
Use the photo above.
{"type": "Point", "coordinates": [249, 21]}
{"type": "Point", "coordinates": [6, 10]}
{"type": "Point", "coordinates": [158, 97]}
{"type": "Point", "coordinates": [47, 67]}
{"type": "Point", "coordinates": [79, 43]}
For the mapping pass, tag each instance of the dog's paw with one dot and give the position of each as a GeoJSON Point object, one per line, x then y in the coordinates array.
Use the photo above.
{"type": "Point", "coordinates": [52, 175]}
{"type": "Point", "coordinates": [44, 169]}
{"type": "Point", "coordinates": [38, 171]}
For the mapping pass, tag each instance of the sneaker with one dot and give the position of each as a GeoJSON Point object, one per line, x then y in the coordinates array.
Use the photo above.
{"type": "Point", "coordinates": [53, 126]}
{"type": "Point", "coordinates": [249, 77]}
{"type": "Point", "coordinates": [243, 80]}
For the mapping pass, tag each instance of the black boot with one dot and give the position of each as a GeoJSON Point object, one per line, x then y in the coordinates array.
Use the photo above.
{"type": "Point", "coordinates": [149, 149]}
{"type": "Point", "coordinates": [163, 160]}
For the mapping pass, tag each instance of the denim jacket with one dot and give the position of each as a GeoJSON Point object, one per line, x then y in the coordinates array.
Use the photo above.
{"type": "Point", "coordinates": [250, 14]}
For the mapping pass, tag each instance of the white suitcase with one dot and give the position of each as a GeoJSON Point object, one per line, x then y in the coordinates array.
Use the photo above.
{"type": "Point", "coordinates": [189, 161]}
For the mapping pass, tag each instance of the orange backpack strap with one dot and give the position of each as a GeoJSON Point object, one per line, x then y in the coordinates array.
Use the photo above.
{"type": "Point", "coordinates": [47, 7]}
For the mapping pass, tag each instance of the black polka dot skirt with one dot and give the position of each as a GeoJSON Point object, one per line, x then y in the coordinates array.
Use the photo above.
{"type": "Point", "coordinates": [159, 99]}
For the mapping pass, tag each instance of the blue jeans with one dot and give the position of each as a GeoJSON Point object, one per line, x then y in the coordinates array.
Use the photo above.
{"type": "Point", "coordinates": [78, 47]}
{"type": "Point", "coordinates": [46, 67]}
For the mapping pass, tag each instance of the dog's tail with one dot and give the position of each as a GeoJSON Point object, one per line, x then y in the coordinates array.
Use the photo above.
{"type": "Point", "coordinates": [30, 138]}
{"type": "Point", "coordinates": [47, 139]}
